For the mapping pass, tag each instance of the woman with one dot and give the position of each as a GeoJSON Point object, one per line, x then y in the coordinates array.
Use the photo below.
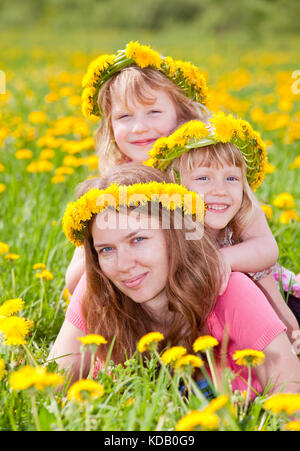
{"type": "Point", "coordinates": [141, 276]}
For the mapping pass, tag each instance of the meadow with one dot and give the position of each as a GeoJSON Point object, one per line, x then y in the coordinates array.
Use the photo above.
{"type": "Point", "coordinates": [46, 149]}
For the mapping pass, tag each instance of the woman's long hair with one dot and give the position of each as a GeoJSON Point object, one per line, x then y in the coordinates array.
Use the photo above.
{"type": "Point", "coordinates": [192, 284]}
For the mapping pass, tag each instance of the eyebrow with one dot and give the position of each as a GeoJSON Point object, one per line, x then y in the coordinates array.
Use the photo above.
{"type": "Point", "coordinates": [96, 245]}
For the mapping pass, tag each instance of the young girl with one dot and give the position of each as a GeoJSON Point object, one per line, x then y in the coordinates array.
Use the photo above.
{"type": "Point", "coordinates": [142, 96]}
{"type": "Point", "coordinates": [142, 277]}
{"type": "Point", "coordinates": [219, 162]}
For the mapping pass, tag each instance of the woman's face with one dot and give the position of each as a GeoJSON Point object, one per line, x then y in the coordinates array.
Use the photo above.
{"type": "Point", "coordinates": [133, 256]}
{"type": "Point", "coordinates": [137, 126]}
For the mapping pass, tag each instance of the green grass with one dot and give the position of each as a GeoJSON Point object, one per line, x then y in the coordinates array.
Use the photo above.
{"type": "Point", "coordinates": [136, 398]}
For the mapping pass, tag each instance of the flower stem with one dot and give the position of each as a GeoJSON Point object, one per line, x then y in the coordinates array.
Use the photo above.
{"type": "Point", "coordinates": [35, 413]}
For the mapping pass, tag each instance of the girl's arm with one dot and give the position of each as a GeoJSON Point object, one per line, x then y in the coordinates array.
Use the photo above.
{"type": "Point", "coordinates": [66, 351]}
{"type": "Point", "coordinates": [281, 367]}
{"type": "Point", "coordinates": [269, 288]}
{"type": "Point", "coordinates": [75, 269]}
{"type": "Point", "coordinates": [258, 250]}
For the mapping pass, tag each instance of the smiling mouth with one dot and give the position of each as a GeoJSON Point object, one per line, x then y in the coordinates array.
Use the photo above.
{"type": "Point", "coordinates": [135, 281]}
{"type": "Point", "coordinates": [217, 208]}
{"type": "Point", "coordinates": [143, 142]}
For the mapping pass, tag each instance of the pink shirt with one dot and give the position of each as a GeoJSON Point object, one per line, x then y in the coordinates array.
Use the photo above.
{"type": "Point", "coordinates": [243, 309]}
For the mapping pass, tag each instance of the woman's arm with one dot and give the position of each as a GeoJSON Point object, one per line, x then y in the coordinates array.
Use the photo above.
{"type": "Point", "coordinates": [258, 249]}
{"type": "Point", "coordinates": [66, 351]}
{"type": "Point", "coordinates": [281, 367]}
{"type": "Point", "coordinates": [75, 269]}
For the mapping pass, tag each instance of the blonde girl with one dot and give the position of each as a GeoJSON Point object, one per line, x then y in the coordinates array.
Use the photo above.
{"type": "Point", "coordinates": [139, 96]}
{"type": "Point", "coordinates": [221, 162]}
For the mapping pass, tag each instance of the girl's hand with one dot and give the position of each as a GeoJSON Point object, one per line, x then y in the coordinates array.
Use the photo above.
{"type": "Point", "coordinates": [225, 270]}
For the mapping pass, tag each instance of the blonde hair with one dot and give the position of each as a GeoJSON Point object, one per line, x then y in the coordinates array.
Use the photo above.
{"type": "Point", "coordinates": [217, 156]}
{"type": "Point", "coordinates": [132, 83]}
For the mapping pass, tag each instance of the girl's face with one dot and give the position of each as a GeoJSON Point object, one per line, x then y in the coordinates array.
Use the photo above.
{"type": "Point", "coordinates": [133, 257]}
{"type": "Point", "coordinates": [221, 189]}
{"type": "Point", "coordinates": [137, 126]}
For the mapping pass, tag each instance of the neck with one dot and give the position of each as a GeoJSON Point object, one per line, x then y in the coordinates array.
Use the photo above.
{"type": "Point", "coordinates": [158, 309]}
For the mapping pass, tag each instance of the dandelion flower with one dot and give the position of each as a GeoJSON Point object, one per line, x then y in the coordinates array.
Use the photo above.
{"type": "Point", "coordinates": [39, 266]}
{"type": "Point", "coordinates": [288, 216]}
{"type": "Point", "coordinates": [1, 167]}
{"type": "Point", "coordinates": [15, 329]}
{"type": "Point", "coordinates": [85, 389]}
{"type": "Point", "coordinates": [2, 187]}
{"type": "Point", "coordinates": [217, 404]}
{"type": "Point", "coordinates": [36, 377]}
{"type": "Point", "coordinates": [23, 154]}
{"type": "Point", "coordinates": [4, 248]}
{"type": "Point", "coordinates": [37, 117]}
{"type": "Point", "coordinates": [92, 339]}
{"type": "Point", "coordinates": [267, 209]}
{"type": "Point", "coordinates": [147, 341]}
{"type": "Point", "coordinates": [11, 306]}
{"type": "Point", "coordinates": [197, 418]}
{"type": "Point", "coordinates": [12, 256]}
{"type": "Point", "coordinates": [173, 354]}
{"type": "Point", "coordinates": [202, 344]}
{"type": "Point", "coordinates": [249, 357]}
{"type": "Point", "coordinates": [45, 274]}
{"type": "Point", "coordinates": [189, 360]}
{"type": "Point", "coordinates": [2, 369]}
{"type": "Point", "coordinates": [283, 402]}
{"type": "Point", "coordinates": [284, 200]}
{"type": "Point", "coordinates": [291, 426]}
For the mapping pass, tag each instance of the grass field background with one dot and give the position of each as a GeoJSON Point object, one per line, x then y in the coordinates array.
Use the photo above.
{"type": "Point", "coordinates": [41, 113]}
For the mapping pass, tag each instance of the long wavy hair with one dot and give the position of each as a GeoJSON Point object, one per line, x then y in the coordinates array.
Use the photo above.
{"type": "Point", "coordinates": [192, 284]}
{"type": "Point", "coordinates": [133, 83]}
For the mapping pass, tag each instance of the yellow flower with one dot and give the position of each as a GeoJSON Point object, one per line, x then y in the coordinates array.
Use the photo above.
{"type": "Point", "coordinates": [196, 418]}
{"type": "Point", "coordinates": [36, 377]}
{"type": "Point", "coordinates": [39, 266]}
{"type": "Point", "coordinates": [2, 187]}
{"type": "Point", "coordinates": [12, 256]}
{"type": "Point", "coordinates": [291, 426]}
{"type": "Point", "coordinates": [47, 154]}
{"type": "Point", "coordinates": [217, 404]}
{"type": "Point", "coordinates": [249, 357]}
{"type": "Point", "coordinates": [23, 154]}
{"type": "Point", "coordinates": [201, 344]}
{"type": "Point", "coordinates": [283, 402]}
{"type": "Point", "coordinates": [289, 215]}
{"type": "Point", "coordinates": [85, 389]}
{"type": "Point", "coordinates": [296, 163]}
{"type": "Point", "coordinates": [92, 339]}
{"type": "Point", "coordinates": [1, 167]}
{"type": "Point", "coordinates": [147, 341]}
{"type": "Point", "coordinates": [11, 306]}
{"type": "Point", "coordinates": [143, 55]}
{"type": "Point", "coordinates": [173, 354]}
{"type": "Point", "coordinates": [4, 248]}
{"type": "Point", "coordinates": [37, 117]}
{"type": "Point", "coordinates": [2, 369]}
{"type": "Point", "coordinates": [40, 166]}
{"type": "Point", "coordinates": [284, 200]}
{"type": "Point", "coordinates": [58, 179]}
{"type": "Point", "coordinates": [269, 168]}
{"type": "Point", "coordinates": [189, 360]}
{"type": "Point", "coordinates": [45, 274]}
{"type": "Point", "coordinates": [15, 329]}
{"type": "Point", "coordinates": [267, 209]}
{"type": "Point", "coordinates": [224, 126]}
{"type": "Point", "coordinates": [92, 162]}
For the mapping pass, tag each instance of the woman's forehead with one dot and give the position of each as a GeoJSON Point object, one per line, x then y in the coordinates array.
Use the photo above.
{"type": "Point", "coordinates": [114, 224]}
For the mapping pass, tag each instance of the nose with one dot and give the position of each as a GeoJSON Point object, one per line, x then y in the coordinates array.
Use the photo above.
{"type": "Point", "coordinates": [139, 125]}
{"type": "Point", "coordinates": [219, 188]}
{"type": "Point", "coordinates": [125, 260]}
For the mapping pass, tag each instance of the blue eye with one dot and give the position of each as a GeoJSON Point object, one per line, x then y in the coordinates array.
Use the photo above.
{"type": "Point", "coordinates": [105, 250]}
{"type": "Point", "coordinates": [138, 239]}
{"type": "Point", "coordinates": [232, 178]}
{"type": "Point", "coordinates": [203, 178]}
